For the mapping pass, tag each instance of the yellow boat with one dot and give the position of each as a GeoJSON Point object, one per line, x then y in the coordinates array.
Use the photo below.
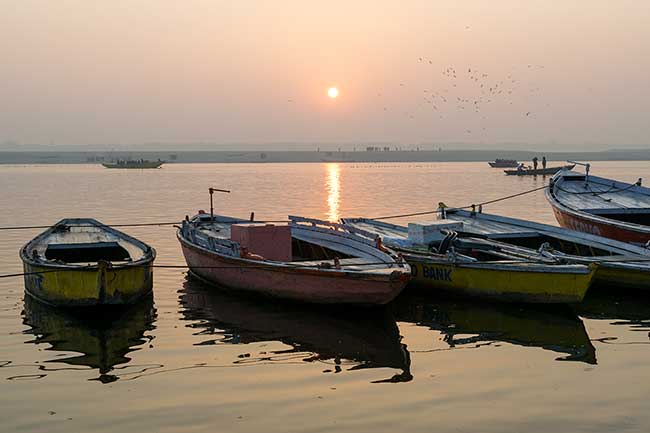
{"type": "Point", "coordinates": [82, 262]}
{"type": "Point", "coordinates": [620, 265]}
{"type": "Point", "coordinates": [474, 267]}
{"type": "Point", "coordinates": [511, 281]}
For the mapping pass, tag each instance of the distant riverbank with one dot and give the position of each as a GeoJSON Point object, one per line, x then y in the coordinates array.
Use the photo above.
{"type": "Point", "coordinates": [221, 156]}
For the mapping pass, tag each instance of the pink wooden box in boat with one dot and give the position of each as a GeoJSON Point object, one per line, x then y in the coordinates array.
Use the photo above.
{"type": "Point", "coordinates": [270, 241]}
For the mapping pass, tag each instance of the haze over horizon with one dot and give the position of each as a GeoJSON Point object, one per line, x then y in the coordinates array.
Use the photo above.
{"type": "Point", "coordinates": [478, 74]}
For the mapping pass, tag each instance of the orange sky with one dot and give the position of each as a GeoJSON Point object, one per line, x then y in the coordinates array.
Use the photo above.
{"type": "Point", "coordinates": [135, 71]}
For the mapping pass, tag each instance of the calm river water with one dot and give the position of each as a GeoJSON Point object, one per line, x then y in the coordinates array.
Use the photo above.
{"type": "Point", "coordinates": [195, 359]}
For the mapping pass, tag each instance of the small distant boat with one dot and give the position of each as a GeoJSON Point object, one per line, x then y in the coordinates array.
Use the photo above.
{"type": "Point", "coordinates": [601, 206]}
{"type": "Point", "coordinates": [620, 264]}
{"type": "Point", "coordinates": [306, 260]}
{"type": "Point", "coordinates": [474, 267]}
{"type": "Point", "coordinates": [528, 171]}
{"type": "Point", "coordinates": [82, 262]}
{"type": "Point", "coordinates": [503, 163]}
{"type": "Point", "coordinates": [142, 163]}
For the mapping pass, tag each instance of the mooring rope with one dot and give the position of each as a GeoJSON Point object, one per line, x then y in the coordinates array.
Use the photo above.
{"type": "Point", "coordinates": [611, 190]}
{"type": "Point", "coordinates": [22, 274]}
{"type": "Point", "coordinates": [508, 197]}
{"type": "Point", "coordinates": [166, 223]}
{"type": "Point", "coordinates": [268, 265]}
{"type": "Point", "coordinates": [474, 205]}
{"type": "Point", "coordinates": [171, 223]}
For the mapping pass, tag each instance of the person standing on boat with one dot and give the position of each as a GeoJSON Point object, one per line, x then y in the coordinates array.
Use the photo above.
{"type": "Point", "coordinates": [544, 162]}
{"type": "Point", "coordinates": [535, 162]}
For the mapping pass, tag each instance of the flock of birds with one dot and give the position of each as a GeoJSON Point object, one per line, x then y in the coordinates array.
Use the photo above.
{"type": "Point", "coordinates": [462, 91]}
{"type": "Point", "coordinates": [468, 90]}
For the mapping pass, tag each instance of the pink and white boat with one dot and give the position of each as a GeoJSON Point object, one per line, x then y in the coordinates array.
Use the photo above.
{"type": "Point", "coordinates": [307, 260]}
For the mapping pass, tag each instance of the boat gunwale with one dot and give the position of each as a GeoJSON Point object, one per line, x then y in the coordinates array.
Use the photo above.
{"type": "Point", "coordinates": [555, 202]}
{"type": "Point", "coordinates": [149, 253]}
{"type": "Point", "coordinates": [595, 241]}
{"type": "Point", "coordinates": [609, 182]}
{"type": "Point", "coordinates": [514, 265]}
{"type": "Point", "coordinates": [292, 267]}
{"type": "Point", "coordinates": [506, 265]}
{"type": "Point", "coordinates": [589, 238]}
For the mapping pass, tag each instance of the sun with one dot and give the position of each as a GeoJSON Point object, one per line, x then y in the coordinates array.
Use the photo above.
{"type": "Point", "coordinates": [333, 92]}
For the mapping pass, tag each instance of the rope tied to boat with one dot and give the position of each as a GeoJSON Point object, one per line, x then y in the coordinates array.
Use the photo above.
{"type": "Point", "coordinates": [443, 208]}
{"type": "Point", "coordinates": [322, 265]}
{"type": "Point", "coordinates": [176, 223]}
{"type": "Point", "coordinates": [166, 223]}
{"type": "Point", "coordinates": [611, 190]}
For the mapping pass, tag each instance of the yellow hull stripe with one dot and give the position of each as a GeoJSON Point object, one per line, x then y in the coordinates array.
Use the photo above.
{"type": "Point", "coordinates": [83, 287]}
{"type": "Point", "coordinates": [519, 285]}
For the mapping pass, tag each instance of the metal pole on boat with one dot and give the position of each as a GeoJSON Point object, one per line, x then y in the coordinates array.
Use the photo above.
{"type": "Point", "coordinates": [212, 190]}
{"type": "Point", "coordinates": [586, 165]}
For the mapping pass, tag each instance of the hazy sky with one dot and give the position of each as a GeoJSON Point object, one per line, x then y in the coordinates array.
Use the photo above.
{"type": "Point", "coordinates": [572, 72]}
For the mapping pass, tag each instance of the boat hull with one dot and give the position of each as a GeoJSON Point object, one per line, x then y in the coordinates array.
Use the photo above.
{"type": "Point", "coordinates": [539, 172]}
{"type": "Point", "coordinates": [93, 286]}
{"type": "Point", "coordinates": [305, 285]}
{"type": "Point", "coordinates": [585, 224]}
{"type": "Point", "coordinates": [631, 269]}
{"type": "Point", "coordinates": [572, 214]}
{"type": "Point", "coordinates": [502, 164]}
{"type": "Point", "coordinates": [135, 165]}
{"type": "Point", "coordinates": [621, 276]}
{"type": "Point", "coordinates": [502, 282]}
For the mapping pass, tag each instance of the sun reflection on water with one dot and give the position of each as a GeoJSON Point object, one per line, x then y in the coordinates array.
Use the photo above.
{"type": "Point", "coordinates": [333, 186]}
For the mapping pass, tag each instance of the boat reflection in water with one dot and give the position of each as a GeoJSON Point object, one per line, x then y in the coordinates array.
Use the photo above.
{"type": "Point", "coordinates": [101, 339]}
{"type": "Point", "coordinates": [552, 327]}
{"type": "Point", "coordinates": [351, 338]}
{"type": "Point", "coordinates": [623, 307]}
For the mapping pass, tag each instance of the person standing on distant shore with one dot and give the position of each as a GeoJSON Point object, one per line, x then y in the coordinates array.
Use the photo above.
{"type": "Point", "coordinates": [544, 162]}
{"type": "Point", "coordinates": [535, 162]}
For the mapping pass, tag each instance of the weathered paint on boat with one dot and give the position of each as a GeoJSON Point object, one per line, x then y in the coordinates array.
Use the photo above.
{"type": "Point", "coordinates": [94, 285]}
{"type": "Point", "coordinates": [576, 218]}
{"type": "Point", "coordinates": [585, 224]}
{"type": "Point", "coordinates": [623, 275]}
{"type": "Point", "coordinates": [91, 284]}
{"type": "Point", "coordinates": [516, 282]}
{"type": "Point", "coordinates": [325, 286]}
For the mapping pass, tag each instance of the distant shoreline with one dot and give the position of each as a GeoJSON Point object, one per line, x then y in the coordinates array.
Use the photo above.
{"type": "Point", "coordinates": [90, 157]}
